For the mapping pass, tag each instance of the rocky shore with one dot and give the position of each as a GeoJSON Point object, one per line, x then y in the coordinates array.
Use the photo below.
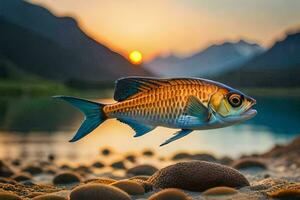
{"type": "Point", "coordinates": [146, 175]}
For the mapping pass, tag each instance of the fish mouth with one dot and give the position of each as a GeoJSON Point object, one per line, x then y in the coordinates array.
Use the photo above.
{"type": "Point", "coordinates": [249, 113]}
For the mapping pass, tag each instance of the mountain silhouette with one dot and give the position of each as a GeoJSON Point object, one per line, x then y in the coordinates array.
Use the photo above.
{"type": "Point", "coordinates": [78, 55]}
{"type": "Point", "coordinates": [279, 66]}
{"type": "Point", "coordinates": [215, 59]}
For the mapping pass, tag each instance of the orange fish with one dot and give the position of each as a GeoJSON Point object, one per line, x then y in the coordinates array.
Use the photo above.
{"type": "Point", "coordinates": [181, 103]}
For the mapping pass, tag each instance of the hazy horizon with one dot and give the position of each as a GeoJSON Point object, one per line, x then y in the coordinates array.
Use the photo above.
{"type": "Point", "coordinates": [146, 26]}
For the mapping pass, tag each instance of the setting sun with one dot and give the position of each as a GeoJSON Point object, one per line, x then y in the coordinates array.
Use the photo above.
{"type": "Point", "coordinates": [136, 57]}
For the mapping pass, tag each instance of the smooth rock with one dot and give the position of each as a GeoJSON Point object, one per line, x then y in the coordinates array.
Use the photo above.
{"type": "Point", "coordinates": [197, 176]}
{"type": "Point", "coordinates": [225, 160]}
{"type": "Point", "coordinates": [142, 170]}
{"type": "Point", "coordinates": [49, 197]}
{"type": "Point", "coordinates": [130, 187]}
{"type": "Point", "coordinates": [66, 178]}
{"type": "Point", "coordinates": [98, 164]}
{"type": "Point", "coordinates": [105, 181]}
{"type": "Point", "coordinates": [221, 190]}
{"type": "Point", "coordinates": [203, 157]}
{"type": "Point", "coordinates": [51, 157]}
{"type": "Point", "coordinates": [249, 163]}
{"type": "Point", "coordinates": [98, 192]}
{"type": "Point", "coordinates": [145, 184]}
{"type": "Point", "coordinates": [106, 152]}
{"type": "Point", "coordinates": [286, 191]}
{"type": "Point", "coordinates": [118, 165]}
{"type": "Point", "coordinates": [16, 162]}
{"type": "Point", "coordinates": [9, 196]}
{"type": "Point", "coordinates": [33, 169]}
{"type": "Point", "coordinates": [131, 158]}
{"type": "Point", "coordinates": [169, 194]}
{"type": "Point", "coordinates": [83, 168]}
{"type": "Point", "coordinates": [22, 177]}
{"type": "Point", "coordinates": [181, 156]}
{"type": "Point", "coordinates": [148, 153]}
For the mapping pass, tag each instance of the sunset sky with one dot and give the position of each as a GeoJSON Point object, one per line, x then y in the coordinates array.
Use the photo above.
{"type": "Point", "coordinates": [178, 26]}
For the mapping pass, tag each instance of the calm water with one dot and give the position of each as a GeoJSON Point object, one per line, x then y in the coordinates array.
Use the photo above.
{"type": "Point", "coordinates": [35, 127]}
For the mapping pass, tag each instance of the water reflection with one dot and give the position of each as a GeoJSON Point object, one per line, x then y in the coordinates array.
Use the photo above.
{"type": "Point", "coordinates": [39, 126]}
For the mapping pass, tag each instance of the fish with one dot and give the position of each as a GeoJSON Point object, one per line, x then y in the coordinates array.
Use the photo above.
{"type": "Point", "coordinates": [188, 104]}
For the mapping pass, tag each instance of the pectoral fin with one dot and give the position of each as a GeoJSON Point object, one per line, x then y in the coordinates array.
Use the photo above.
{"type": "Point", "coordinates": [196, 108]}
{"type": "Point", "coordinates": [177, 136]}
{"type": "Point", "coordinates": [140, 129]}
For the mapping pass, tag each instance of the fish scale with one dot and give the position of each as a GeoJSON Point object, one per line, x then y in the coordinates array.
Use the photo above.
{"type": "Point", "coordinates": [164, 104]}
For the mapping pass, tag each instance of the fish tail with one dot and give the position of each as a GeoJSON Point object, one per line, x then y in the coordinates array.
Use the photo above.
{"type": "Point", "coordinates": [93, 111]}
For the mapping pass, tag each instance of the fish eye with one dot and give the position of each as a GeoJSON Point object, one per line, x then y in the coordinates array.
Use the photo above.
{"type": "Point", "coordinates": [235, 100]}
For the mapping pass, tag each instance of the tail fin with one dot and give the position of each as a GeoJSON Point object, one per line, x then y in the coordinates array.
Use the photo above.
{"type": "Point", "coordinates": [93, 112]}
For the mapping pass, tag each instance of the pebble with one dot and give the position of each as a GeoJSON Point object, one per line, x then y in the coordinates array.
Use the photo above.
{"type": "Point", "coordinates": [169, 194]}
{"type": "Point", "coordinates": [245, 163]}
{"type": "Point", "coordinates": [147, 186]}
{"type": "Point", "coordinates": [98, 164]}
{"type": "Point", "coordinates": [106, 152]}
{"type": "Point", "coordinates": [51, 157]}
{"type": "Point", "coordinates": [65, 167]}
{"type": "Point", "coordinates": [66, 178]}
{"type": "Point", "coordinates": [5, 170]}
{"type": "Point", "coordinates": [98, 192]}
{"type": "Point", "coordinates": [203, 157]}
{"type": "Point", "coordinates": [131, 158]}
{"type": "Point", "coordinates": [33, 169]}
{"type": "Point", "coordinates": [83, 168]}
{"type": "Point", "coordinates": [105, 181]}
{"type": "Point", "coordinates": [148, 153]}
{"type": "Point", "coordinates": [21, 177]}
{"type": "Point", "coordinates": [50, 170]}
{"type": "Point", "coordinates": [267, 183]}
{"type": "Point", "coordinates": [221, 190]}
{"type": "Point", "coordinates": [129, 186]}
{"type": "Point", "coordinates": [142, 170]}
{"type": "Point", "coordinates": [7, 180]}
{"type": "Point", "coordinates": [181, 156]}
{"type": "Point", "coordinates": [16, 162]}
{"type": "Point", "coordinates": [49, 197]}
{"type": "Point", "coordinates": [118, 165]}
{"type": "Point", "coordinates": [9, 196]}
{"type": "Point", "coordinates": [225, 160]}
{"type": "Point", "coordinates": [197, 176]}
{"type": "Point", "coordinates": [287, 191]}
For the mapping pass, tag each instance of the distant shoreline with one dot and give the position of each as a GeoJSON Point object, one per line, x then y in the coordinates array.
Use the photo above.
{"type": "Point", "coordinates": [11, 88]}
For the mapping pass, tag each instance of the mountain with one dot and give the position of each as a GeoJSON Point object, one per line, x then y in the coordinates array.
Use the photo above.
{"type": "Point", "coordinates": [279, 66]}
{"type": "Point", "coordinates": [213, 60]}
{"type": "Point", "coordinates": [91, 60]}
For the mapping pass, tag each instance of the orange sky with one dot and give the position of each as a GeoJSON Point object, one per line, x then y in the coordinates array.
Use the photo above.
{"type": "Point", "coordinates": [178, 26]}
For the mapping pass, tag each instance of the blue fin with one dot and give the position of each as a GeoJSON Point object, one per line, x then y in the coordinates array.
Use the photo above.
{"type": "Point", "coordinates": [140, 129]}
{"type": "Point", "coordinates": [196, 108]}
{"type": "Point", "coordinates": [177, 135]}
{"type": "Point", "coordinates": [93, 112]}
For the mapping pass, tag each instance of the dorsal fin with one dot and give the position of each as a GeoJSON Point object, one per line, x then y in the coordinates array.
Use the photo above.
{"type": "Point", "coordinates": [127, 87]}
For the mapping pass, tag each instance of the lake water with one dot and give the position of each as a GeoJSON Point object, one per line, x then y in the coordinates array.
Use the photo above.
{"type": "Point", "coordinates": [37, 126]}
